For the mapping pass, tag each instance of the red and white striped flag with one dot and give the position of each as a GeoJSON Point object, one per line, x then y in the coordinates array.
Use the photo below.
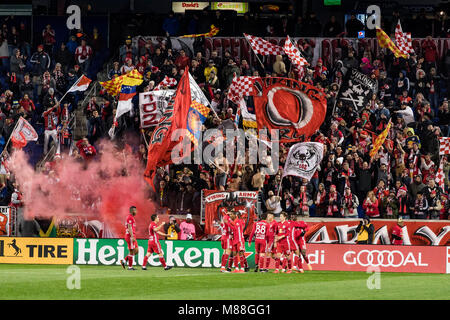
{"type": "Point", "coordinates": [81, 84]}
{"type": "Point", "coordinates": [166, 82]}
{"type": "Point", "coordinates": [403, 40]}
{"type": "Point", "coordinates": [294, 54]}
{"type": "Point", "coordinates": [239, 87]}
{"type": "Point", "coordinates": [262, 46]}
{"type": "Point", "coordinates": [23, 132]}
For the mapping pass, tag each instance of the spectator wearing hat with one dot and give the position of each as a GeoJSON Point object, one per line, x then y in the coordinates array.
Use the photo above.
{"type": "Point", "coordinates": [187, 228]}
{"type": "Point", "coordinates": [40, 62]}
{"type": "Point", "coordinates": [172, 229]}
{"type": "Point", "coordinates": [127, 50]}
{"type": "Point", "coordinates": [445, 207]}
{"type": "Point", "coordinates": [397, 233]}
{"type": "Point", "coordinates": [389, 205]}
{"type": "Point", "coordinates": [211, 67]}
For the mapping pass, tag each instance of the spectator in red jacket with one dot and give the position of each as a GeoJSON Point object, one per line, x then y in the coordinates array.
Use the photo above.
{"type": "Point", "coordinates": [182, 60]}
{"type": "Point", "coordinates": [86, 150]}
{"type": "Point", "coordinates": [430, 53]}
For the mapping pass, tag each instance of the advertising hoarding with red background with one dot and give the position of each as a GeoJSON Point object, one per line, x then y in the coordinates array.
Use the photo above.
{"type": "Point", "coordinates": [415, 232]}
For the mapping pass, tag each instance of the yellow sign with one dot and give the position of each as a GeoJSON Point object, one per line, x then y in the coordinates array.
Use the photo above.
{"type": "Point", "coordinates": [36, 250]}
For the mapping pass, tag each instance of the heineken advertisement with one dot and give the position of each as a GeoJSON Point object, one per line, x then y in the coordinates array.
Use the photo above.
{"type": "Point", "coordinates": [191, 254]}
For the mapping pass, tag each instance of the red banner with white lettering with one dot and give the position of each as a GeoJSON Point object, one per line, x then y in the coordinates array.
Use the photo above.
{"type": "Point", "coordinates": [212, 203]}
{"type": "Point", "coordinates": [415, 232]}
{"type": "Point", "coordinates": [339, 257]}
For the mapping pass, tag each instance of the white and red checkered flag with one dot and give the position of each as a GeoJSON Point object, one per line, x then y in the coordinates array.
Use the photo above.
{"type": "Point", "coordinates": [294, 54]}
{"type": "Point", "coordinates": [262, 46]}
{"type": "Point", "coordinates": [166, 82]}
{"type": "Point", "coordinates": [444, 149]}
{"type": "Point", "coordinates": [444, 145]}
{"type": "Point", "coordinates": [403, 40]}
{"type": "Point", "coordinates": [240, 87]}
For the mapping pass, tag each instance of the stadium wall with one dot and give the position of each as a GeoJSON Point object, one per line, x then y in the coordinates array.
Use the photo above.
{"type": "Point", "coordinates": [207, 254]}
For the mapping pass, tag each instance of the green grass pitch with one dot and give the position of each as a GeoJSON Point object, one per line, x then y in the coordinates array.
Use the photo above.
{"type": "Point", "coordinates": [43, 282]}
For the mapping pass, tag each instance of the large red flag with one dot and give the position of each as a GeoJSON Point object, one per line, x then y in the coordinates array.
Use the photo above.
{"type": "Point", "coordinates": [174, 117]}
{"type": "Point", "coordinates": [295, 108]}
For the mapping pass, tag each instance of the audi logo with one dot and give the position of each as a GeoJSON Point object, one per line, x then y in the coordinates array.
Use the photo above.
{"type": "Point", "coordinates": [377, 258]}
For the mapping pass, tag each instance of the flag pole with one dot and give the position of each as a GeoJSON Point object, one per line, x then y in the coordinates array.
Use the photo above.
{"type": "Point", "coordinates": [262, 65]}
{"type": "Point", "coordinates": [76, 82]}
{"type": "Point", "coordinates": [279, 186]}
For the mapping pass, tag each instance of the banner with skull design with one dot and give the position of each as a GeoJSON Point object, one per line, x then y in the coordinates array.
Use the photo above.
{"type": "Point", "coordinates": [356, 90]}
{"type": "Point", "coordinates": [303, 159]}
{"type": "Point", "coordinates": [296, 109]}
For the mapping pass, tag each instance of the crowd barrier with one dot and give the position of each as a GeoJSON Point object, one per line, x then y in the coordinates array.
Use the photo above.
{"type": "Point", "coordinates": [207, 254]}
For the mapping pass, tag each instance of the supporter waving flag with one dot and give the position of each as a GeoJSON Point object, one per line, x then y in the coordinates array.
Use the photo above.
{"type": "Point", "coordinates": [380, 140]}
{"type": "Point", "coordinates": [385, 42]}
{"type": "Point", "coordinates": [264, 47]}
{"type": "Point", "coordinates": [403, 40]}
{"type": "Point", "coordinates": [294, 54]}
{"type": "Point", "coordinates": [212, 32]}
{"type": "Point", "coordinates": [23, 133]}
{"type": "Point", "coordinates": [166, 82]}
{"type": "Point", "coordinates": [174, 117]}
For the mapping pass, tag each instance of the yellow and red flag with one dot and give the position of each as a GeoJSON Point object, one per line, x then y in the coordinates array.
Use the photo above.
{"type": "Point", "coordinates": [380, 140]}
{"type": "Point", "coordinates": [385, 42]}
{"type": "Point", "coordinates": [212, 32]}
{"type": "Point", "coordinates": [113, 86]}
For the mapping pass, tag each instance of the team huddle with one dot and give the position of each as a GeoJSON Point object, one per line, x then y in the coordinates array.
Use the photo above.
{"type": "Point", "coordinates": [273, 240]}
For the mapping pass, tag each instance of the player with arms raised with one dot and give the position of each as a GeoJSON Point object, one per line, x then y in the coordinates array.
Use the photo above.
{"type": "Point", "coordinates": [153, 242]}
{"type": "Point", "coordinates": [259, 230]}
{"type": "Point", "coordinates": [130, 238]}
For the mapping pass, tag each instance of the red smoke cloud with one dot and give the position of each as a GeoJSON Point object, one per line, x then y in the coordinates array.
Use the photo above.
{"type": "Point", "coordinates": [103, 190]}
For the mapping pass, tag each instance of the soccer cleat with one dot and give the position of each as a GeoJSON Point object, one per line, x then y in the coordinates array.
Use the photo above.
{"type": "Point", "coordinates": [224, 270]}
{"type": "Point", "coordinates": [283, 270]}
{"type": "Point", "coordinates": [276, 271]}
{"type": "Point", "coordinates": [256, 269]}
{"type": "Point", "coordinates": [229, 269]}
{"type": "Point", "coordinates": [309, 267]}
{"type": "Point", "coordinates": [289, 271]}
{"type": "Point", "coordinates": [301, 271]}
{"type": "Point", "coordinates": [122, 262]}
{"type": "Point", "coordinates": [144, 268]}
{"type": "Point", "coordinates": [167, 268]}
{"type": "Point", "coordinates": [236, 271]}
{"type": "Point", "coordinates": [247, 269]}
{"type": "Point", "coordinates": [131, 268]}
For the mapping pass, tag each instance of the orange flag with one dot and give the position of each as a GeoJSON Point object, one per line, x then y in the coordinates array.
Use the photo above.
{"type": "Point", "coordinates": [380, 140]}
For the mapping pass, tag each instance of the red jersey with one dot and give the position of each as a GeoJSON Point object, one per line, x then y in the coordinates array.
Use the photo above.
{"type": "Point", "coordinates": [130, 221]}
{"type": "Point", "coordinates": [259, 230]}
{"type": "Point", "coordinates": [283, 230]}
{"type": "Point", "coordinates": [225, 227]}
{"type": "Point", "coordinates": [299, 228]}
{"type": "Point", "coordinates": [152, 235]}
{"type": "Point", "coordinates": [270, 233]}
{"type": "Point", "coordinates": [237, 228]}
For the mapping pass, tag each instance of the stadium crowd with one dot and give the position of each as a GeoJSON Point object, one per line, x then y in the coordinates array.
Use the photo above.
{"type": "Point", "coordinates": [400, 181]}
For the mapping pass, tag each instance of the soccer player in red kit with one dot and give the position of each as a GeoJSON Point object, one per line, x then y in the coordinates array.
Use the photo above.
{"type": "Point", "coordinates": [226, 241]}
{"type": "Point", "coordinates": [130, 238]}
{"type": "Point", "coordinates": [239, 242]}
{"type": "Point", "coordinates": [259, 230]}
{"type": "Point", "coordinates": [298, 231]}
{"type": "Point", "coordinates": [270, 241]}
{"type": "Point", "coordinates": [282, 242]}
{"type": "Point", "coordinates": [153, 243]}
